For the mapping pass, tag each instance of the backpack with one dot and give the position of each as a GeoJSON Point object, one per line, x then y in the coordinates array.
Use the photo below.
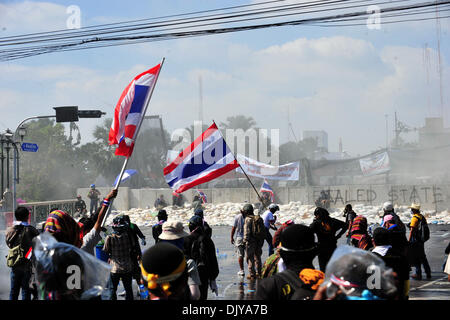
{"type": "Point", "coordinates": [295, 288]}
{"type": "Point", "coordinates": [16, 254]}
{"type": "Point", "coordinates": [424, 230]}
{"type": "Point", "coordinates": [259, 230]}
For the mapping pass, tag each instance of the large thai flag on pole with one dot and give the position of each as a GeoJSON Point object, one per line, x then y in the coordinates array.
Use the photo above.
{"type": "Point", "coordinates": [130, 111]}
{"type": "Point", "coordinates": [207, 158]}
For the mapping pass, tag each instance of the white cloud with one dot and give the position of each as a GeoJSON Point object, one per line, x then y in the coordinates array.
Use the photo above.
{"type": "Point", "coordinates": [30, 17]}
{"type": "Point", "coordinates": [340, 84]}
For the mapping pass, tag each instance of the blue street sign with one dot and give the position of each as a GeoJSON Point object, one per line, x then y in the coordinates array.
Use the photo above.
{"type": "Point", "coordinates": [30, 147]}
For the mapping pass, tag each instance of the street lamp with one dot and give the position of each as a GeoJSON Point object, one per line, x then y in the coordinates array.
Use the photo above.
{"type": "Point", "coordinates": [62, 114]}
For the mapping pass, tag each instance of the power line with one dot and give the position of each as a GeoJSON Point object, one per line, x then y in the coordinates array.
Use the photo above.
{"type": "Point", "coordinates": [18, 52]}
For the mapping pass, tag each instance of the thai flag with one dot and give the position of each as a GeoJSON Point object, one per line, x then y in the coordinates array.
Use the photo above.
{"type": "Point", "coordinates": [265, 187]}
{"type": "Point", "coordinates": [207, 158]}
{"type": "Point", "coordinates": [126, 175]}
{"type": "Point", "coordinates": [202, 196]}
{"type": "Point", "coordinates": [130, 109]}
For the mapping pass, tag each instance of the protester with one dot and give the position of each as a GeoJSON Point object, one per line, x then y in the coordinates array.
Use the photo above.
{"type": "Point", "coordinates": [324, 200]}
{"type": "Point", "coordinates": [396, 234]}
{"type": "Point", "coordinates": [119, 246]}
{"type": "Point", "coordinates": [350, 276]}
{"type": "Point", "coordinates": [93, 195]}
{"type": "Point", "coordinates": [417, 243]}
{"type": "Point", "coordinates": [172, 232]}
{"type": "Point", "coordinates": [325, 228]}
{"type": "Point", "coordinates": [276, 236]}
{"type": "Point", "coordinates": [269, 221]}
{"type": "Point", "coordinates": [359, 236]}
{"type": "Point", "coordinates": [177, 199]}
{"type": "Point", "coordinates": [80, 206]}
{"type": "Point", "coordinates": [136, 253]}
{"type": "Point", "coordinates": [207, 228]}
{"type": "Point", "coordinates": [274, 263]}
{"type": "Point", "coordinates": [300, 280]}
{"type": "Point", "coordinates": [164, 272]}
{"type": "Point", "coordinates": [238, 230]}
{"type": "Point", "coordinates": [160, 202]}
{"type": "Point", "coordinates": [65, 272]}
{"type": "Point", "coordinates": [349, 215]}
{"type": "Point", "coordinates": [197, 203]}
{"type": "Point", "coordinates": [93, 226]}
{"type": "Point", "coordinates": [64, 228]}
{"type": "Point", "coordinates": [447, 264]}
{"type": "Point", "coordinates": [393, 259]}
{"type": "Point", "coordinates": [199, 247]}
{"type": "Point", "coordinates": [19, 239]}
{"type": "Point", "coordinates": [157, 227]}
{"type": "Point", "coordinates": [388, 209]}
{"type": "Point", "coordinates": [266, 199]}
{"type": "Point", "coordinates": [254, 236]}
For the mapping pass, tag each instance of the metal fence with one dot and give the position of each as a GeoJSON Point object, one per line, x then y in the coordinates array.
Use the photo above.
{"type": "Point", "coordinates": [40, 210]}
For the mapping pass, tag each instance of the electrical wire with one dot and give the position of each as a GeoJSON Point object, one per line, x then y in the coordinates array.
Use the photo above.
{"type": "Point", "coordinates": [195, 26]}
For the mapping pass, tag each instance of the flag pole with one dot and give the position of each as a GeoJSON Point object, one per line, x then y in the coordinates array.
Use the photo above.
{"type": "Point", "coordinates": [260, 199]}
{"type": "Point", "coordinates": [125, 163]}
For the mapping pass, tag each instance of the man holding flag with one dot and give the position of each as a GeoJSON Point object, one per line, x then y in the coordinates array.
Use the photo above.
{"type": "Point", "coordinates": [267, 194]}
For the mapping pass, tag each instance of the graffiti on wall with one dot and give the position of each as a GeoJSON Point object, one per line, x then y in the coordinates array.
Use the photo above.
{"type": "Point", "coordinates": [400, 195]}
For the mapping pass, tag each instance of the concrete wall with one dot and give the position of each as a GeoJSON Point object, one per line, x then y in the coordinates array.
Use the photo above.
{"type": "Point", "coordinates": [435, 197]}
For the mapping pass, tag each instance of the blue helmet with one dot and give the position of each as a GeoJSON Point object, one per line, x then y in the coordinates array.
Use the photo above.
{"type": "Point", "coordinates": [92, 185]}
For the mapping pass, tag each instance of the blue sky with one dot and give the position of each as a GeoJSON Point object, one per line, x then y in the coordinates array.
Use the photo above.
{"type": "Point", "coordinates": [341, 80]}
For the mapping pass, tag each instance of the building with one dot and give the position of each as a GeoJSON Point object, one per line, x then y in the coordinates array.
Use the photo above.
{"type": "Point", "coordinates": [433, 134]}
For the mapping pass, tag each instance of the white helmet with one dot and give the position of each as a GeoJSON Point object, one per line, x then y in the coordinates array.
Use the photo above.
{"type": "Point", "coordinates": [387, 206]}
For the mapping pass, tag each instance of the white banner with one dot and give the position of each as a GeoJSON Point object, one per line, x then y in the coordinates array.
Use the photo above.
{"type": "Point", "coordinates": [258, 169]}
{"type": "Point", "coordinates": [375, 165]}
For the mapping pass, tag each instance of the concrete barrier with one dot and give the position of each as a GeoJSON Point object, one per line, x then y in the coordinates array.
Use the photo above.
{"type": "Point", "coordinates": [431, 197]}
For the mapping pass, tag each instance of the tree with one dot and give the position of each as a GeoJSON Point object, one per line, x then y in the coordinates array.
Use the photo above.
{"type": "Point", "coordinates": [54, 171]}
{"type": "Point", "coordinates": [238, 122]}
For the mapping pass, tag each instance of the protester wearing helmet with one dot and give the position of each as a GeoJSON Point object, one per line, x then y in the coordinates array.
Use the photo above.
{"type": "Point", "coordinates": [93, 195]}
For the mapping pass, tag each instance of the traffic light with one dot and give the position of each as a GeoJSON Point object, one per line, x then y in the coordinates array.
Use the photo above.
{"type": "Point", "coordinates": [90, 113]}
{"type": "Point", "coordinates": [71, 114]}
{"type": "Point", "coordinates": [66, 114]}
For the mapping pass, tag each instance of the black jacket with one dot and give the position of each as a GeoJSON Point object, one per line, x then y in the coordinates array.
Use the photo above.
{"type": "Point", "coordinates": [201, 249]}
{"type": "Point", "coordinates": [328, 238]}
{"type": "Point", "coordinates": [277, 287]}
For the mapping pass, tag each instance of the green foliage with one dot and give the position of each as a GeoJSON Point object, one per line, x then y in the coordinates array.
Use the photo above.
{"type": "Point", "coordinates": [53, 172]}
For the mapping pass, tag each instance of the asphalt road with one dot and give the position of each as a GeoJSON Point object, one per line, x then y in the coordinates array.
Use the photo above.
{"type": "Point", "coordinates": [233, 287]}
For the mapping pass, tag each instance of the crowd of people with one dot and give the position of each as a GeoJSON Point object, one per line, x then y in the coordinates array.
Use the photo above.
{"type": "Point", "coordinates": [374, 264]}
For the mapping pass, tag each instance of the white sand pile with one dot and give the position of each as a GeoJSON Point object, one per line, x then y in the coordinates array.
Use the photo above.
{"type": "Point", "coordinates": [224, 213]}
